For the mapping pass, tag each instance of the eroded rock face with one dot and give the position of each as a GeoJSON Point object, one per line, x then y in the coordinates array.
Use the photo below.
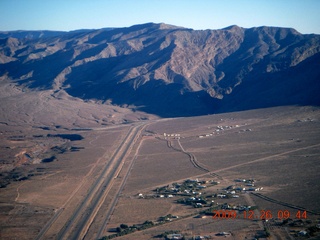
{"type": "Point", "coordinates": [169, 70]}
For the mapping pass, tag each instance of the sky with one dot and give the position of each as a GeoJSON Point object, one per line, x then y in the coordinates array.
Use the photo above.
{"type": "Point", "coordinates": [66, 15]}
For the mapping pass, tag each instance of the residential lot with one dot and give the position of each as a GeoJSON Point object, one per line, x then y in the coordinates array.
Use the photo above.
{"type": "Point", "coordinates": [280, 151]}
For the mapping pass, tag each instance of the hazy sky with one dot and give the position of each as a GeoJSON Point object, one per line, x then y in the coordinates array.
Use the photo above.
{"type": "Point", "coordinates": [303, 15]}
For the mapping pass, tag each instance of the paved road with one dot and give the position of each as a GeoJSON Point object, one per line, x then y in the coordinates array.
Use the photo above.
{"type": "Point", "coordinates": [79, 222]}
{"type": "Point", "coordinates": [117, 195]}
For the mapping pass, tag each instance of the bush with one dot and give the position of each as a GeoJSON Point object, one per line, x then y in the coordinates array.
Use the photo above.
{"type": "Point", "coordinates": [148, 223]}
{"type": "Point", "coordinates": [312, 230]}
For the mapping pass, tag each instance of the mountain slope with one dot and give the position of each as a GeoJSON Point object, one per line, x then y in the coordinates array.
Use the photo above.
{"type": "Point", "coordinates": [171, 71]}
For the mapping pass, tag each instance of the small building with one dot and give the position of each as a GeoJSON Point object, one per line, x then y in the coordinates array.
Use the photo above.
{"type": "Point", "coordinates": [240, 180]}
{"type": "Point", "coordinates": [199, 237]}
{"type": "Point", "coordinates": [221, 196]}
{"type": "Point", "coordinates": [303, 233]}
{"type": "Point", "coordinates": [174, 236]}
{"type": "Point", "coordinates": [223, 234]}
{"type": "Point", "coordinates": [192, 199]}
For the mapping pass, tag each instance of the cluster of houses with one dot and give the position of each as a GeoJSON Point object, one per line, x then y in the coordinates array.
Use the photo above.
{"type": "Point", "coordinates": [178, 236]}
{"type": "Point", "coordinates": [171, 135]}
{"type": "Point", "coordinates": [190, 188]}
{"type": "Point", "coordinates": [245, 130]}
{"type": "Point", "coordinates": [233, 190]}
{"type": "Point", "coordinates": [218, 129]}
{"type": "Point", "coordinates": [187, 188]}
{"type": "Point", "coordinates": [244, 185]}
{"type": "Point", "coordinates": [306, 120]}
{"type": "Point", "coordinates": [227, 206]}
{"type": "Point", "coordinates": [193, 194]}
{"type": "Point", "coordinates": [197, 202]}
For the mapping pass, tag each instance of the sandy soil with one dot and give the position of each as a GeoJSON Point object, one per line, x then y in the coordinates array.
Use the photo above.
{"type": "Point", "coordinates": [281, 151]}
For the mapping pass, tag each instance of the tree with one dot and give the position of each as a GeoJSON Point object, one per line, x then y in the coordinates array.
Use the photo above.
{"type": "Point", "coordinates": [124, 226]}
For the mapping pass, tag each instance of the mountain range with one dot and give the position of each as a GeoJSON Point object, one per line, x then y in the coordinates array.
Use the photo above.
{"type": "Point", "coordinates": [167, 70]}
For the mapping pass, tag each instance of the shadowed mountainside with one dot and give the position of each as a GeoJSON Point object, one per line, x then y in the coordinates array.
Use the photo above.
{"type": "Point", "coordinates": [168, 70]}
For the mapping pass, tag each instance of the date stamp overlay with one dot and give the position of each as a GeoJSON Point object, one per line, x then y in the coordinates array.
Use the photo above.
{"type": "Point", "coordinates": [263, 214]}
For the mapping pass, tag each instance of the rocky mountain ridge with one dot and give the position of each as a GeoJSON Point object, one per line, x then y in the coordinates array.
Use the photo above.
{"type": "Point", "coordinates": [168, 70]}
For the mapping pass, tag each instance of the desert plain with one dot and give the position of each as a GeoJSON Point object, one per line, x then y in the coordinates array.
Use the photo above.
{"type": "Point", "coordinates": [89, 178]}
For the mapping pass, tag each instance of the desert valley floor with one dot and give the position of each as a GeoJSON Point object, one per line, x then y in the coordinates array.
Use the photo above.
{"type": "Point", "coordinates": [146, 179]}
